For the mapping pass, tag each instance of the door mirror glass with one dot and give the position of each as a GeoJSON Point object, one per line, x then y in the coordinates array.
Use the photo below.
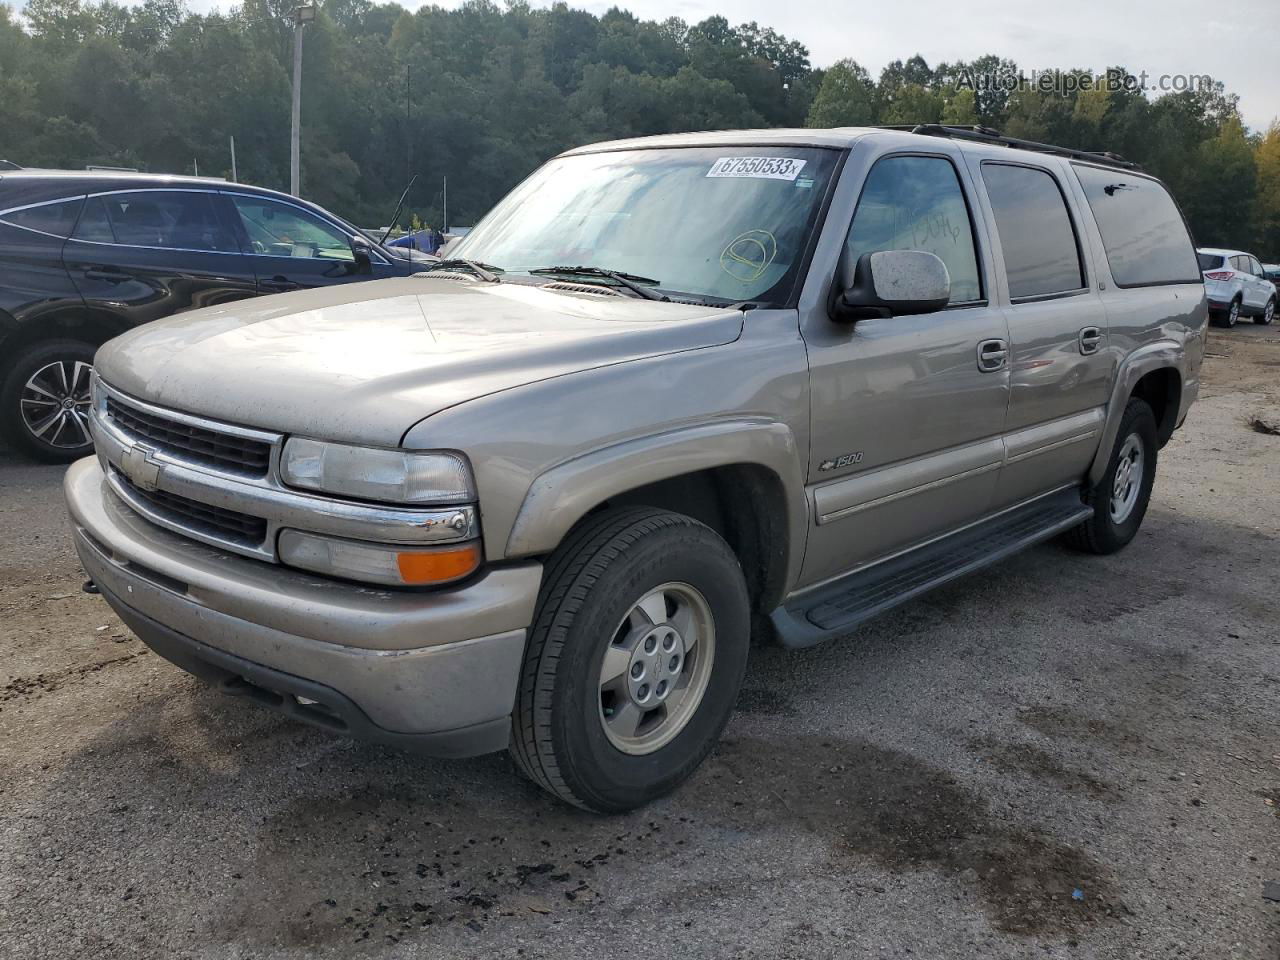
{"type": "Point", "coordinates": [895, 283]}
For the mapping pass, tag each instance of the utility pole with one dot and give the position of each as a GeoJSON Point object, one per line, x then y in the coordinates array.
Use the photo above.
{"type": "Point", "coordinates": [445, 228]}
{"type": "Point", "coordinates": [234, 178]}
{"type": "Point", "coordinates": [408, 129]}
{"type": "Point", "coordinates": [301, 17]}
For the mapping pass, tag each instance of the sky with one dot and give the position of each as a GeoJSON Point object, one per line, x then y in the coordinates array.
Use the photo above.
{"type": "Point", "coordinates": [1237, 43]}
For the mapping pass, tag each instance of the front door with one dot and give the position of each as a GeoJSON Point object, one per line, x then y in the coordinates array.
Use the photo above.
{"type": "Point", "coordinates": [907, 411]}
{"type": "Point", "coordinates": [292, 248]}
{"type": "Point", "coordinates": [145, 254]}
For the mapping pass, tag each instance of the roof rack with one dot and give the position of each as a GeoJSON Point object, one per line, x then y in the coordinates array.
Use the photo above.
{"type": "Point", "coordinates": [987, 135]}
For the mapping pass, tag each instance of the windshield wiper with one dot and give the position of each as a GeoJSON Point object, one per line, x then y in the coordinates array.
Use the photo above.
{"type": "Point", "coordinates": [482, 270]}
{"type": "Point", "coordinates": [628, 280]}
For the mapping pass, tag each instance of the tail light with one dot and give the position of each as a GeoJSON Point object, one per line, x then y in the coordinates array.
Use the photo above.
{"type": "Point", "coordinates": [1218, 275]}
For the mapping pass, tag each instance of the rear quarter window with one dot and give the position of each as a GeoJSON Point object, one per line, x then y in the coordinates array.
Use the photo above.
{"type": "Point", "coordinates": [1144, 235]}
{"type": "Point", "coordinates": [57, 218]}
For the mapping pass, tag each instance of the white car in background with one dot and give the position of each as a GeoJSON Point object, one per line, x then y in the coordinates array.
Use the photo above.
{"type": "Point", "coordinates": [1236, 286]}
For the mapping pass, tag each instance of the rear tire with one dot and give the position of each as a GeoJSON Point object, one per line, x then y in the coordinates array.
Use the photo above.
{"type": "Point", "coordinates": [1267, 315]}
{"type": "Point", "coordinates": [570, 730]}
{"type": "Point", "coordinates": [1232, 316]}
{"type": "Point", "coordinates": [44, 400]}
{"type": "Point", "coordinates": [1120, 499]}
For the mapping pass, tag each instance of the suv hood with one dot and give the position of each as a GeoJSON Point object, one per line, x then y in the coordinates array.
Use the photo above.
{"type": "Point", "coordinates": [363, 362]}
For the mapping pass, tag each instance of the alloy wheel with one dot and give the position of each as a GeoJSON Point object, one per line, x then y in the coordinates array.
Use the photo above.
{"type": "Point", "coordinates": [55, 404]}
{"type": "Point", "coordinates": [1128, 479]}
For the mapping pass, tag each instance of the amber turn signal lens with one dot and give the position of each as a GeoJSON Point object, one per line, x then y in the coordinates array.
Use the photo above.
{"type": "Point", "coordinates": [438, 566]}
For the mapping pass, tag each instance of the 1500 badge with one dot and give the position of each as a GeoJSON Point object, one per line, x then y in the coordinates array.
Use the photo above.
{"type": "Point", "coordinates": [844, 461]}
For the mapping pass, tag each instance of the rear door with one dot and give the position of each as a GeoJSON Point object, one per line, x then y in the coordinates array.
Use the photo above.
{"type": "Point", "coordinates": [292, 248]}
{"type": "Point", "coordinates": [1060, 366]}
{"type": "Point", "coordinates": [145, 254]}
{"type": "Point", "coordinates": [1260, 288]}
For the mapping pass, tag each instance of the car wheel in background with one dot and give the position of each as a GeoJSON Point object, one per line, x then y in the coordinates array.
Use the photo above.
{"type": "Point", "coordinates": [1232, 316]}
{"type": "Point", "coordinates": [44, 400]}
{"type": "Point", "coordinates": [637, 651]}
{"type": "Point", "coordinates": [1268, 313]}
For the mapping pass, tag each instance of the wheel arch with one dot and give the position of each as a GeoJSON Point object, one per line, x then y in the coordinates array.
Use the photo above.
{"type": "Point", "coordinates": [741, 478]}
{"type": "Point", "coordinates": [1154, 373]}
{"type": "Point", "coordinates": [74, 324]}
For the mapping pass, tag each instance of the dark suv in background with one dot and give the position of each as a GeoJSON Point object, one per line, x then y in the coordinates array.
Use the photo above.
{"type": "Point", "coordinates": [86, 256]}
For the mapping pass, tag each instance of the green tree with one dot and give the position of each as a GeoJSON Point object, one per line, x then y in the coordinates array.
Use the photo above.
{"type": "Point", "coordinates": [847, 98]}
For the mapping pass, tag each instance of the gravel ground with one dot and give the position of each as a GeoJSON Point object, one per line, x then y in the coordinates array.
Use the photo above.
{"type": "Point", "coordinates": [1061, 756]}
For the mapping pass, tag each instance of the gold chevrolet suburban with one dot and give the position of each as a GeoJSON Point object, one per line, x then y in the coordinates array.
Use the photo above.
{"type": "Point", "coordinates": [669, 393]}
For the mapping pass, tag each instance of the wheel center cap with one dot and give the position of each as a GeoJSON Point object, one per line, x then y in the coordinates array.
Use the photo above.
{"type": "Point", "coordinates": [656, 664]}
{"type": "Point", "coordinates": [68, 403]}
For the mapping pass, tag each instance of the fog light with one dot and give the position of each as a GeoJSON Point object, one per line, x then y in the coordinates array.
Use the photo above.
{"type": "Point", "coordinates": [391, 564]}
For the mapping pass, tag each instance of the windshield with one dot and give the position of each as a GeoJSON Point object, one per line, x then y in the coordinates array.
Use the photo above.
{"type": "Point", "coordinates": [729, 223]}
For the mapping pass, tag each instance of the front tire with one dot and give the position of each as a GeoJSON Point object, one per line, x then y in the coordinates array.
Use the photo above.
{"type": "Point", "coordinates": [1121, 497]}
{"type": "Point", "coordinates": [637, 652]}
{"type": "Point", "coordinates": [44, 400]}
{"type": "Point", "coordinates": [1268, 314]}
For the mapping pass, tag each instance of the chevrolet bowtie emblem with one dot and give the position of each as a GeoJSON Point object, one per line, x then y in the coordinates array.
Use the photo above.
{"type": "Point", "coordinates": [139, 467]}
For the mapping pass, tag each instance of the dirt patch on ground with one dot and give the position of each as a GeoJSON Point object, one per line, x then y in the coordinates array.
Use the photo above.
{"type": "Point", "coordinates": [389, 863]}
{"type": "Point", "coordinates": [907, 816]}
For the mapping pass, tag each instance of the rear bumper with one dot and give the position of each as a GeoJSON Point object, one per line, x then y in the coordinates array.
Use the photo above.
{"type": "Point", "coordinates": [436, 671]}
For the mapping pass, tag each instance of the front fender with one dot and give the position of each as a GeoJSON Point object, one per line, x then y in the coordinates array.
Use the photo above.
{"type": "Point", "coordinates": [1152, 356]}
{"type": "Point", "coordinates": [564, 494]}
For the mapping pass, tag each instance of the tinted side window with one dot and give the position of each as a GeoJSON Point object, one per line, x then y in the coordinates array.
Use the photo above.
{"type": "Point", "coordinates": [1210, 261]}
{"type": "Point", "coordinates": [56, 219]}
{"type": "Point", "coordinates": [155, 218]}
{"type": "Point", "coordinates": [279, 230]}
{"type": "Point", "coordinates": [916, 203]}
{"type": "Point", "coordinates": [1142, 232]}
{"type": "Point", "coordinates": [1237, 263]}
{"type": "Point", "coordinates": [1041, 255]}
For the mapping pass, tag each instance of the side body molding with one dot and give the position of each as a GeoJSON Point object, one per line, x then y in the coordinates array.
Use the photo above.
{"type": "Point", "coordinates": [565, 493]}
{"type": "Point", "coordinates": [1152, 356]}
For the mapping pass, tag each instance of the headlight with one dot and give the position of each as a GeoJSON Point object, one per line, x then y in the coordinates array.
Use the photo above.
{"type": "Point", "coordinates": [366, 473]}
{"type": "Point", "coordinates": [378, 563]}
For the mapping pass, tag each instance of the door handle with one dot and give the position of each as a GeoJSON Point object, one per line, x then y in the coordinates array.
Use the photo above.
{"type": "Point", "coordinates": [993, 355]}
{"type": "Point", "coordinates": [1090, 339]}
{"type": "Point", "coordinates": [109, 274]}
{"type": "Point", "coordinates": [277, 284]}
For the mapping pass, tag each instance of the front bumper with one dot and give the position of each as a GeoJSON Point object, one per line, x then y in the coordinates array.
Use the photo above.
{"type": "Point", "coordinates": [433, 670]}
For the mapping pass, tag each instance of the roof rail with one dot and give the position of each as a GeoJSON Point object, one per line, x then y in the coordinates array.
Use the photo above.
{"type": "Point", "coordinates": [979, 134]}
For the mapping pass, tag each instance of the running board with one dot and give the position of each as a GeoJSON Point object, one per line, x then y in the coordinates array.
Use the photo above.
{"type": "Point", "coordinates": [836, 608]}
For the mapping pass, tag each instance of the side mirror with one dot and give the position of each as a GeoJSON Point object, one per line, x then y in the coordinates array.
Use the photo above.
{"type": "Point", "coordinates": [891, 283]}
{"type": "Point", "coordinates": [362, 253]}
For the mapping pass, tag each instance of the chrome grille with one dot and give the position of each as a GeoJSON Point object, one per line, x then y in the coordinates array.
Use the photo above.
{"type": "Point", "coordinates": [211, 448]}
{"type": "Point", "coordinates": [215, 522]}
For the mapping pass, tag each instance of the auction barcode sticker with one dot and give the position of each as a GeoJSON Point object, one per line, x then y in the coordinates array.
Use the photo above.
{"type": "Point", "coordinates": [765, 168]}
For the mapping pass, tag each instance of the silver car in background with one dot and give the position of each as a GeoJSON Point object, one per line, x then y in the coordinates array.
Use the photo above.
{"type": "Point", "coordinates": [1237, 286]}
